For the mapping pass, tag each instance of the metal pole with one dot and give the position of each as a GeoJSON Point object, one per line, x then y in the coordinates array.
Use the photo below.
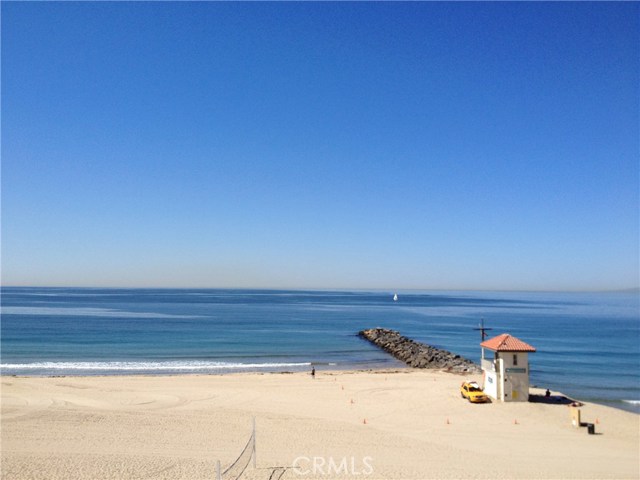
{"type": "Point", "coordinates": [254, 442]}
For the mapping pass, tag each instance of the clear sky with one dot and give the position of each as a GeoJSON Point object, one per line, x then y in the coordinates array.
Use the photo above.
{"type": "Point", "coordinates": [321, 145]}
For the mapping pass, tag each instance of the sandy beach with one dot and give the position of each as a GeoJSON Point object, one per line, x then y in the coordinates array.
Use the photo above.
{"type": "Point", "coordinates": [406, 424]}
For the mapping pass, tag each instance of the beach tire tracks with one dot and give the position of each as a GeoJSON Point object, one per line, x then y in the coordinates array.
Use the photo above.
{"type": "Point", "coordinates": [157, 472]}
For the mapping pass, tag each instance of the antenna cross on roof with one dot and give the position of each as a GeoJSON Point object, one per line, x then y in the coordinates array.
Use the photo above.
{"type": "Point", "coordinates": [483, 330]}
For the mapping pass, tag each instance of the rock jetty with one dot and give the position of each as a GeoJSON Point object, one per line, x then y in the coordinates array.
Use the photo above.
{"type": "Point", "coordinates": [418, 355]}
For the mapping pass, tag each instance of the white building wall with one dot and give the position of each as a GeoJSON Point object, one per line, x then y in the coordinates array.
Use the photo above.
{"type": "Point", "coordinates": [491, 383]}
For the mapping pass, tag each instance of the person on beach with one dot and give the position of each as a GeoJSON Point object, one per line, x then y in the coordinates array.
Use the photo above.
{"type": "Point", "coordinates": [313, 372]}
{"type": "Point", "coordinates": [547, 393]}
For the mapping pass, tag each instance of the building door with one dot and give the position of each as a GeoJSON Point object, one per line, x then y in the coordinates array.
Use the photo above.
{"type": "Point", "coordinates": [507, 390]}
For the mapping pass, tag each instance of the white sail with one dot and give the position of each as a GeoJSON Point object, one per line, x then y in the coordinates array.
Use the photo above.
{"type": "Point", "coordinates": [395, 297]}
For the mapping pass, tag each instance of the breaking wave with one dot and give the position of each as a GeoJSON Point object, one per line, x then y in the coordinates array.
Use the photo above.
{"type": "Point", "coordinates": [168, 366]}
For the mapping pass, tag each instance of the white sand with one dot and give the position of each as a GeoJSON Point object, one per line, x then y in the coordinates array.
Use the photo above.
{"type": "Point", "coordinates": [178, 426]}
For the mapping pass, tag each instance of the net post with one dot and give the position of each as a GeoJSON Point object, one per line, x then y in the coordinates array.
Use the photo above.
{"type": "Point", "coordinates": [218, 474]}
{"type": "Point", "coordinates": [254, 443]}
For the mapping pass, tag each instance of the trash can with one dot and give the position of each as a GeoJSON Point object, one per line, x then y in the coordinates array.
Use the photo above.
{"type": "Point", "coordinates": [591, 428]}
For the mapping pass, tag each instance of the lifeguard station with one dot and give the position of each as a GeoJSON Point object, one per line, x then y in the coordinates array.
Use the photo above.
{"type": "Point", "coordinates": [505, 368]}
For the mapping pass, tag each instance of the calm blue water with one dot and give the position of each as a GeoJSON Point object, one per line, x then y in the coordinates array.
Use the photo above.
{"type": "Point", "coordinates": [588, 344]}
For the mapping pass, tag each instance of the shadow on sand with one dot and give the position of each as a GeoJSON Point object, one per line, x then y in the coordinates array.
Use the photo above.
{"type": "Point", "coordinates": [553, 400]}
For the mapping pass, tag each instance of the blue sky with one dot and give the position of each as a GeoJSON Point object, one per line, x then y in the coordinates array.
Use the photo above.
{"type": "Point", "coordinates": [321, 145]}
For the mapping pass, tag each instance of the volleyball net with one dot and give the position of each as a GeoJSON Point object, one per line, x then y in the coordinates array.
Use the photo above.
{"type": "Point", "coordinates": [240, 464]}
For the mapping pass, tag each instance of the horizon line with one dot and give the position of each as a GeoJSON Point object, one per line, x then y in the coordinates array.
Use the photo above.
{"type": "Point", "coordinates": [301, 289]}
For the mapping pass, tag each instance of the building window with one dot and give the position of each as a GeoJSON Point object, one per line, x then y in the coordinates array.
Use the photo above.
{"type": "Point", "coordinates": [515, 359]}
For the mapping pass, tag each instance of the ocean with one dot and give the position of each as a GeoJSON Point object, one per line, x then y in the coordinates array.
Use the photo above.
{"type": "Point", "coordinates": [588, 344]}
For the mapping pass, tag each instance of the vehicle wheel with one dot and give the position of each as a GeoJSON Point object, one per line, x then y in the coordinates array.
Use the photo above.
{"type": "Point", "coordinates": [462, 395]}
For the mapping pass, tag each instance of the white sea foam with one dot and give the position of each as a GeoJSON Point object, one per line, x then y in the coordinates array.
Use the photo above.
{"type": "Point", "coordinates": [146, 366]}
{"type": "Point", "coordinates": [85, 312]}
{"type": "Point", "coordinates": [632, 402]}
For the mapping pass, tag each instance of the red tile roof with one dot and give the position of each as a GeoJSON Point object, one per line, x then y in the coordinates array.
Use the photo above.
{"type": "Point", "coordinates": [507, 343]}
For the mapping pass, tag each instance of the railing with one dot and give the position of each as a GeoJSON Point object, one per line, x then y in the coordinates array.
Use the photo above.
{"type": "Point", "coordinates": [488, 365]}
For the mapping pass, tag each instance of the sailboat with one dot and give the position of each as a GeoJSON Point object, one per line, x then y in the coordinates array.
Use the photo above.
{"type": "Point", "coordinates": [395, 297]}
